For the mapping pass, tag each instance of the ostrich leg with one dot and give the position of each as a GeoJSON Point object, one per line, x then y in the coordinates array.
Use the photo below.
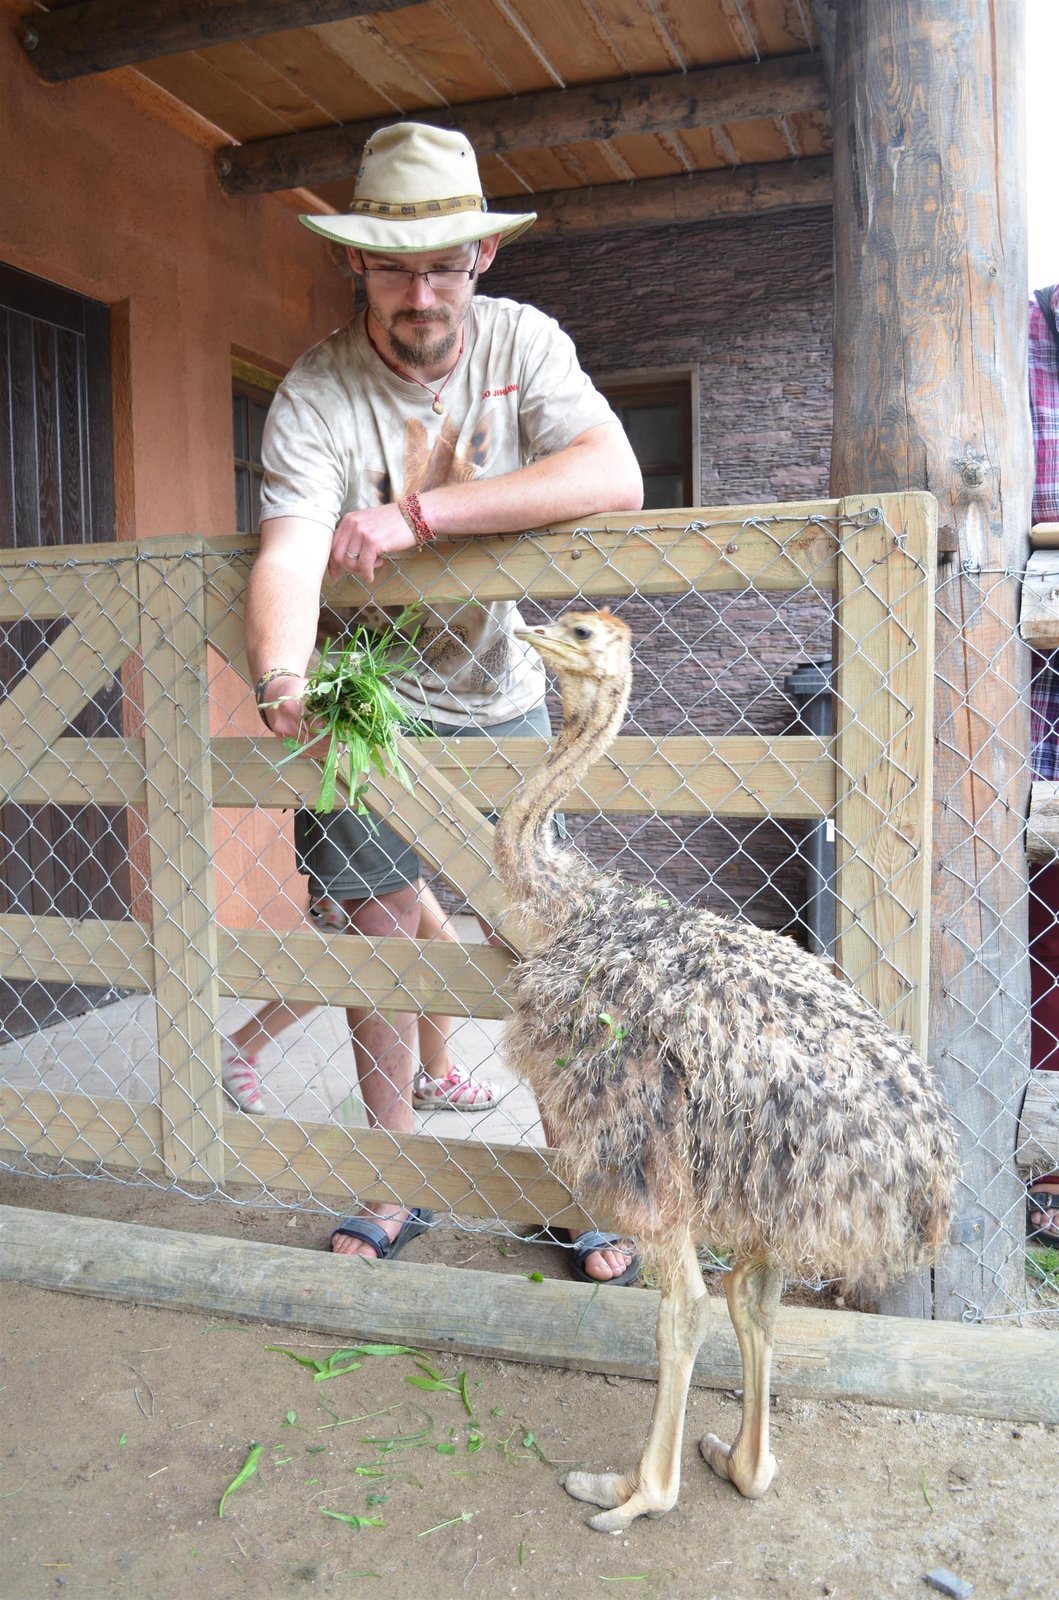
{"type": "Point", "coordinates": [753, 1291]}
{"type": "Point", "coordinates": [654, 1485]}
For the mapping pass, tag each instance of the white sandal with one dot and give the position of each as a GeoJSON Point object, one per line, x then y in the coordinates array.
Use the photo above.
{"type": "Point", "coordinates": [456, 1092]}
{"type": "Point", "coordinates": [241, 1083]}
{"type": "Point", "coordinates": [330, 914]}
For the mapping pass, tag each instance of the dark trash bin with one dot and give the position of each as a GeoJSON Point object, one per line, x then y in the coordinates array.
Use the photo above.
{"type": "Point", "coordinates": [809, 688]}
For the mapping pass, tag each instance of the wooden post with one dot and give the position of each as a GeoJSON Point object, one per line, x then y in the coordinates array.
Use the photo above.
{"type": "Point", "coordinates": [930, 379]}
{"type": "Point", "coordinates": [180, 831]}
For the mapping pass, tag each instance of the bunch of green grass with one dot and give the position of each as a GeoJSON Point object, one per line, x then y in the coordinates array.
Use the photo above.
{"type": "Point", "coordinates": [349, 703]}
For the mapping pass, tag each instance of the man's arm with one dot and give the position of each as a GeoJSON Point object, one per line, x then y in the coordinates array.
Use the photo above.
{"type": "Point", "coordinates": [283, 610]}
{"type": "Point", "coordinates": [596, 472]}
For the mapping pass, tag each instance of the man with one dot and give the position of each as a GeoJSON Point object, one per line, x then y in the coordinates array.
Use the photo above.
{"type": "Point", "coordinates": [432, 416]}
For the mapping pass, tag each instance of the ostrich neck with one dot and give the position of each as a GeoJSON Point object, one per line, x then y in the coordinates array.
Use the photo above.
{"type": "Point", "coordinates": [532, 868]}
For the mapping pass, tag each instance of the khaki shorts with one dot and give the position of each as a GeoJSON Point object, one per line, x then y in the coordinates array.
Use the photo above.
{"type": "Point", "coordinates": [346, 857]}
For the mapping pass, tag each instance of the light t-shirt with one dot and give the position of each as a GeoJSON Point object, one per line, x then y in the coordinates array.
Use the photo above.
{"type": "Point", "coordinates": [345, 432]}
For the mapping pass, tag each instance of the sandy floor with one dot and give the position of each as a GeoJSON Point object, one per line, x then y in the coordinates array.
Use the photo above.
{"type": "Point", "coordinates": [123, 1427]}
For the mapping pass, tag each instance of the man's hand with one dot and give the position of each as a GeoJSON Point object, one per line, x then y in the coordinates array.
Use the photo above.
{"type": "Point", "coordinates": [362, 538]}
{"type": "Point", "coordinates": [282, 706]}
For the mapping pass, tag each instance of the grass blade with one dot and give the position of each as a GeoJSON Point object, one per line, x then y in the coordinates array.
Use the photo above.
{"type": "Point", "coordinates": [246, 1471]}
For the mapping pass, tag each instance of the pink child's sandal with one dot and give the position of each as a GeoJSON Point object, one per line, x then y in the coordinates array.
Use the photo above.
{"type": "Point", "coordinates": [241, 1083]}
{"type": "Point", "coordinates": [456, 1092]}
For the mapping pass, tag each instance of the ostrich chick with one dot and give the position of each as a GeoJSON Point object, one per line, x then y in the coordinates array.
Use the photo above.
{"type": "Point", "coordinates": [707, 1081]}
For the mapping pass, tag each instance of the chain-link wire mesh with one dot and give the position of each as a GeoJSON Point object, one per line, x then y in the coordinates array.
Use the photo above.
{"type": "Point", "coordinates": [159, 960]}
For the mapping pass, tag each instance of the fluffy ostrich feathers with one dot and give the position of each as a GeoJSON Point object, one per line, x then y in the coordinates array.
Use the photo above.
{"type": "Point", "coordinates": [699, 1074]}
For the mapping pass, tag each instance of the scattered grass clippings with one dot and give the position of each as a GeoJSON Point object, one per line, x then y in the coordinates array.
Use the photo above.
{"type": "Point", "coordinates": [247, 1470]}
{"type": "Point", "coordinates": [464, 1516]}
{"type": "Point", "coordinates": [352, 1520]}
{"type": "Point", "coordinates": [123, 1441]}
{"type": "Point", "coordinates": [926, 1493]}
{"type": "Point", "coordinates": [344, 1360]}
{"type": "Point", "coordinates": [588, 1308]}
{"type": "Point", "coordinates": [362, 720]}
{"type": "Point", "coordinates": [535, 1277]}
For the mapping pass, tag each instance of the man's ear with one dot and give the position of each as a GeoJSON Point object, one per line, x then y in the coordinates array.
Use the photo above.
{"type": "Point", "coordinates": [355, 259]}
{"type": "Point", "coordinates": [488, 250]}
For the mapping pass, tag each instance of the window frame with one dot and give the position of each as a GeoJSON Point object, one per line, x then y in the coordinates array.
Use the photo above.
{"type": "Point", "coordinates": [661, 386]}
{"type": "Point", "coordinates": [257, 384]}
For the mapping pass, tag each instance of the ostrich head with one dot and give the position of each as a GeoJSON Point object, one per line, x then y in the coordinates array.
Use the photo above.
{"type": "Point", "coordinates": [591, 654]}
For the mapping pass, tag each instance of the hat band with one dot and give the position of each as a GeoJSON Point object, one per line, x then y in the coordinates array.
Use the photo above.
{"type": "Point", "coordinates": [419, 208]}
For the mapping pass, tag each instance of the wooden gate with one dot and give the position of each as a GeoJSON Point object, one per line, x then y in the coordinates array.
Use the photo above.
{"type": "Point", "coordinates": [162, 601]}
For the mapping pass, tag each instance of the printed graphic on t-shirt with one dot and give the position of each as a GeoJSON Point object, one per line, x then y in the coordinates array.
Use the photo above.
{"type": "Point", "coordinates": [431, 465]}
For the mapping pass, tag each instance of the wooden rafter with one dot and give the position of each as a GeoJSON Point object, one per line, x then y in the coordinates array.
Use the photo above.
{"type": "Point", "coordinates": [694, 197]}
{"type": "Point", "coordinates": [100, 34]}
{"type": "Point", "coordinates": [785, 85]}
{"type": "Point", "coordinates": [825, 22]}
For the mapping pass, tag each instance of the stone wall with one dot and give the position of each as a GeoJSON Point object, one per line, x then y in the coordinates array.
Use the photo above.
{"type": "Point", "coordinates": [748, 302]}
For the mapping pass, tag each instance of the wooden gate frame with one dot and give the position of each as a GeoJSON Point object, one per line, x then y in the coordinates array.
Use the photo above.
{"type": "Point", "coordinates": [165, 599]}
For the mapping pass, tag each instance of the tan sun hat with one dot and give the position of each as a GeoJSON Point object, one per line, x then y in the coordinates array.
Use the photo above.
{"type": "Point", "coordinates": [418, 189]}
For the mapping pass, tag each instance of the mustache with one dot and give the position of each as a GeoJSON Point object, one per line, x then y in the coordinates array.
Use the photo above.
{"type": "Point", "coordinates": [421, 316]}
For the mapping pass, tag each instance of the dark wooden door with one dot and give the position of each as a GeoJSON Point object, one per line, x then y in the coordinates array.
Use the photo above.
{"type": "Point", "coordinates": [56, 487]}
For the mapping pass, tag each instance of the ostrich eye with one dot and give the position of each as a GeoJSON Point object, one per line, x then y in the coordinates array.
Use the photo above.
{"type": "Point", "coordinates": [581, 632]}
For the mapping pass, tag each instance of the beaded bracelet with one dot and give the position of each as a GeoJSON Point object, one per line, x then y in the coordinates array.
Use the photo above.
{"type": "Point", "coordinates": [262, 684]}
{"type": "Point", "coordinates": [412, 512]}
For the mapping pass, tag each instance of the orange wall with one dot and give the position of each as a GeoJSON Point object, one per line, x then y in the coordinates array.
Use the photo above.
{"type": "Point", "coordinates": [109, 200]}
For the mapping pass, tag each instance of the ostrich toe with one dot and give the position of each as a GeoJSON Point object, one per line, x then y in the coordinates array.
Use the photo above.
{"type": "Point", "coordinates": [620, 1498]}
{"type": "Point", "coordinates": [752, 1479]}
{"type": "Point", "coordinates": [606, 1489]}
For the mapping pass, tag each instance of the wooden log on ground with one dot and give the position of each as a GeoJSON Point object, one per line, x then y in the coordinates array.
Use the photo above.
{"type": "Point", "coordinates": [985, 1371]}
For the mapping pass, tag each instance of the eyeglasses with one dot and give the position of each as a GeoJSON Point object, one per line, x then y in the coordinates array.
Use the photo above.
{"type": "Point", "coordinates": [440, 279]}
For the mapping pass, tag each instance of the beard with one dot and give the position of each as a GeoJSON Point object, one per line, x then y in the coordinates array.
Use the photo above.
{"type": "Point", "coordinates": [425, 346]}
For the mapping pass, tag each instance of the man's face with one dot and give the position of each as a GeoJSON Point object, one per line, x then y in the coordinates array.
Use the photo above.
{"type": "Point", "coordinates": [421, 317]}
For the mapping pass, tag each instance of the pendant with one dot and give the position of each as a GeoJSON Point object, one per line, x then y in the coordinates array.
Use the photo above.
{"type": "Point", "coordinates": [438, 408]}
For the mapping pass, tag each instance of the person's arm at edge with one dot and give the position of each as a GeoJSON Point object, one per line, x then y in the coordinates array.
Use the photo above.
{"type": "Point", "coordinates": [282, 611]}
{"type": "Point", "coordinates": [596, 472]}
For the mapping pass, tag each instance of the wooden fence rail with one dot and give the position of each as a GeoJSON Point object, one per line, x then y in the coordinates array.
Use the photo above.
{"type": "Point", "coordinates": [160, 604]}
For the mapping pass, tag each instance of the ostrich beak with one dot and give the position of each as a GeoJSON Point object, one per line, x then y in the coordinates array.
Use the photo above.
{"type": "Point", "coordinates": [549, 641]}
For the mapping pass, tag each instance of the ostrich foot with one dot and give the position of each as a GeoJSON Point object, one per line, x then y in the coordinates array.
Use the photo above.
{"type": "Point", "coordinates": [621, 1500]}
{"type": "Point", "coordinates": [752, 1477]}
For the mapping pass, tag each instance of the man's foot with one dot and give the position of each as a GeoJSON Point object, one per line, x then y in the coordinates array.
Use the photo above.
{"type": "Point", "coordinates": [381, 1234]}
{"type": "Point", "coordinates": [600, 1257]}
{"type": "Point", "coordinates": [458, 1091]}
{"type": "Point", "coordinates": [1043, 1223]}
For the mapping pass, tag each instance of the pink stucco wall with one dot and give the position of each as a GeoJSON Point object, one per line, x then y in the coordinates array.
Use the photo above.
{"type": "Point", "coordinates": [106, 198]}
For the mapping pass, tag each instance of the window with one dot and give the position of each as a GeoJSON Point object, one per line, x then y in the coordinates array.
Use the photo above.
{"type": "Point", "coordinates": [252, 391]}
{"type": "Point", "coordinates": [659, 412]}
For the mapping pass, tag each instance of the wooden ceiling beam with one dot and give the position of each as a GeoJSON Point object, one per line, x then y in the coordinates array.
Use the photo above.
{"type": "Point", "coordinates": [100, 34]}
{"type": "Point", "coordinates": [536, 121]}
{"type": "Point", "coordinates": [693, 197]}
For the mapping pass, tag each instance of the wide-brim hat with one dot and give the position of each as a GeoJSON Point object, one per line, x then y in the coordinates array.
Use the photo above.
{"type": "Point", "coordinates": [418, 189]}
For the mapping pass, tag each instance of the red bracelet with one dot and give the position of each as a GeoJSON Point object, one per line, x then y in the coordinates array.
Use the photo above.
{"type": "Point", "coordinates": [412, 511]}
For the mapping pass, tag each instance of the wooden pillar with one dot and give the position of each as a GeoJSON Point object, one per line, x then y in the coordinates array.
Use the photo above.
{"type": "Point", "coordinates": [930, 386]}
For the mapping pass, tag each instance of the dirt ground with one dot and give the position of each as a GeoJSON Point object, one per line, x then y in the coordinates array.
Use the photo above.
{"type": "Point", "coordinates": [124, 1425]}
